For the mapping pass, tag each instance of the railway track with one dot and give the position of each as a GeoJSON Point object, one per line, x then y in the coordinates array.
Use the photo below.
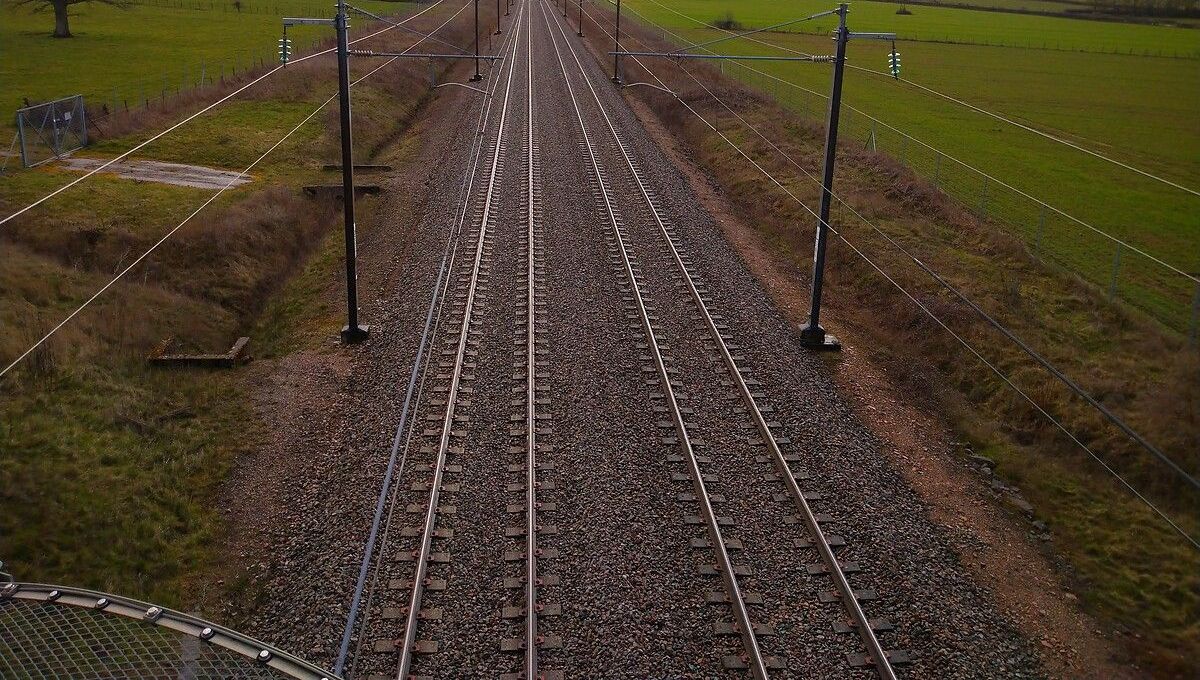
{"type": "Point", "coordinates": [465, 457]}
{"type": "Point", "coordinates": [757, 661]}
{"type": "Point", "coordinates": [849, 597]}
{"type": "Point", "coordinates": [450, 374]}
{"type": "Point", "coordinates": [529, 363]}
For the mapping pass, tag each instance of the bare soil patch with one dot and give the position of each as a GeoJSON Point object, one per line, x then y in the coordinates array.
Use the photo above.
{"type": "Point", "coordinates": [177, 174]}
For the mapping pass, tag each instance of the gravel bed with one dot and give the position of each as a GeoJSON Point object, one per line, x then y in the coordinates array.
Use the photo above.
{"type": "Point", "coordinates": [760, 538]}
{"type": "Point", "coordinates": [633, 603]}
{"type": "Point", "coordinates": [945, 621]}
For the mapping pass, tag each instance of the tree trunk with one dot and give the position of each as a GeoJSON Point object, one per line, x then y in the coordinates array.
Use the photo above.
{"type": "Point", "coordinates": [61, 28]}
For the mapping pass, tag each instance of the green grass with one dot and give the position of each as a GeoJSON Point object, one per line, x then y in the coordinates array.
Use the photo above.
{"type": "Point", "coordinates": [125, 55]}
{"type": "Point", "coordinates": [1139, 110]}
{"type": "Point", "coordinates": [1129, 567]}
{"type": "Point", "coordinates": [121, 467]}
{"type": "Point", "coordinates": [1022, 5]}
{"type": "Point", "coordinates": [111, 468]}
{"type": "Point", "coordinates": [1074, 9]}
{"type": "Point", "coordinates": [943, 24]}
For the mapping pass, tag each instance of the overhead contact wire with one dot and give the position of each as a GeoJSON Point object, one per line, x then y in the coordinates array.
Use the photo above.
{"type": "Point", "coordinates": [187, 219]}
{"type": "Point", "coordinates": [923, 308]}
{"type": "Point", "coordinates": [185, 121]}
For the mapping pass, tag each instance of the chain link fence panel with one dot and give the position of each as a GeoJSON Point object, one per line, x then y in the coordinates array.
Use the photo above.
{"type": "Point", "coordinates": [53, 632]}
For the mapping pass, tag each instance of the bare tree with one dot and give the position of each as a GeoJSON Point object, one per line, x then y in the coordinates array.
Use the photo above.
{"type": "Point", "coordinates": [62, 27]}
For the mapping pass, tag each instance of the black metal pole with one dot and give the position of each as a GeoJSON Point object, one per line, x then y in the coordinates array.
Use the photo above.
{"type": "Point", "coordinates": [617, 47]}
{"type": "Point", "coordinates": [580, 18]}
{"type": "Point", "coordinates": [353, 332]}
{"type": "Point", "coordinates": [812, 335]}
{"type": "Point", "coordinates": [507, 7]}
{"type": "Point", "coordinates": [477, 77]}
{"type": "Point", "coordinates": [497, 18]}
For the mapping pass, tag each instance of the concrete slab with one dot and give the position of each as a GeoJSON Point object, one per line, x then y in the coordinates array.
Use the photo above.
{"type": "Point", "coordinates": [196, 176]}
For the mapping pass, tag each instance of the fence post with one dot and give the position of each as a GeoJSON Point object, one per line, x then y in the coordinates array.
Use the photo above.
{"type": "Point", "coordinates": [1112, 286]}
{"type": "Point", "coordinates": [1037, 245]}
{"type": "Point", "coordinates": [1195, 333]}
{"type": "Point", "coordinates": [21, 136]}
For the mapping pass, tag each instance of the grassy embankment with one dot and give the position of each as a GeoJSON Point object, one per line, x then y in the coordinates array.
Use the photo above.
{"type": "Point", "coordinates": [1128, 567]}
{"type": "Point", "coordinates": [111, 467]}
{"type": "Point", "coordinates": [1139, 110]}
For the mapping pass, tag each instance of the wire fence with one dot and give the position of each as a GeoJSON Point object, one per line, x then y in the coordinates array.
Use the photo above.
{"type": "Point", "coordinates": [1033, 44]}
{"type": "Point", "coordinates": [108, 103]}
{"type": "Point", "coordinates": [267, 7]}
{"type": "Point", "coordinates": [1118, 271]}
{"type": "Point", "coordinates": [56, 632]}
{"type": "Point", "coordinates": [182, 79]}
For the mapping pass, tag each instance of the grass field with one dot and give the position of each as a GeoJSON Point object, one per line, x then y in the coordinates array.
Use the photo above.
{"type": "Point", "coordinates": [947, 24]}
{"type": "Point", "coordinates": [1139, 110]}
{"type": "Point", "coordinates": [1075, 9]}
{"type": "Point", "coordinates": [127, 55]}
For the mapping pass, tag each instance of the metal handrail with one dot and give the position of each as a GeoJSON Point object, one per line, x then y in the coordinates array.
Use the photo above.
{"type": "Point", "coordinates": [149, 614]}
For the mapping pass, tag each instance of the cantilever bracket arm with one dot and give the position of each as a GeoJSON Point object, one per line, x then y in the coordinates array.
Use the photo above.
{"type": "Point", "coordinates": [401, 26]}
{"type": "Point", "coordinates": [301, 21]}
{"type": "Point", "coordinates": [420, 55]}
{"type": "Point", "coordinates": [740, 57]}
{"type": "Point", "coordinates": [735, 36]}
{"type": "Point", "coordinates": [870, 36]}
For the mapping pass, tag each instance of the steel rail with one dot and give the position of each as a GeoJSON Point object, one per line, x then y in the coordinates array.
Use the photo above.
{"type": "Point", "coordinates": [531, 621]}
{"type": "Point", "coordinates": [422, 557]}
{"type": "Point", "coordinates": [1006, 379]}
{"type": "Point", "coordinates": [420, 364]}
{"type": "Point", "coordinates": [737, 603]}
{"type": "Point", "coordinates": [861, 622]}
{"type": "Point", "coordinates": [475, 156]}
{"type": "Point", "coordinates": [1037, 357]}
